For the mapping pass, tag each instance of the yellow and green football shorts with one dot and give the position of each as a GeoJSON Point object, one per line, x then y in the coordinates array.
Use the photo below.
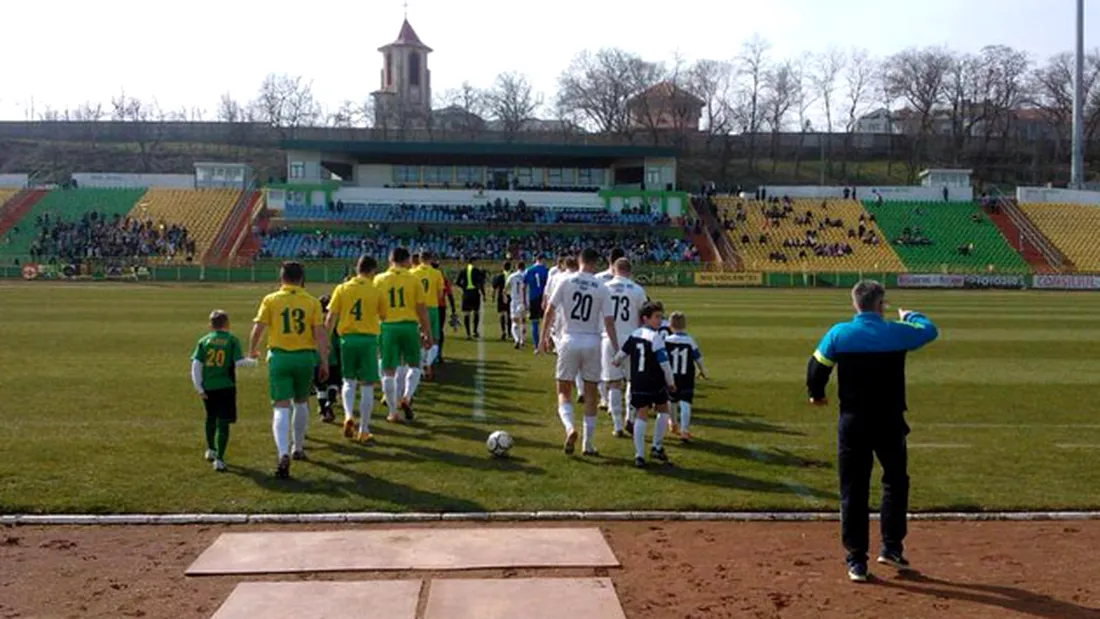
{"type": "Point", "coordinates": [290, 374]}
{"type": "Point", "coordinates": [433, 322]}
{"type": "Point", "coordinates": [359, 357]}
{"type": "Point", "coordinates": [400, 344]}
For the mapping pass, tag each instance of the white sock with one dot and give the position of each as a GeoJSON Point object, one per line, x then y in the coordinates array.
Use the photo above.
{"type": "Point", "coordinates": [301, 419]}
{"type": "Point", "coordinates": [589, 433]}
{"type": "Point", "coordinates": [580, 384]}
{"type": "Point", "coordinates": [603, 391]}
{"type": "Point", "coordinates": [565, 411]}
{"type": "Point", "coordinates": [423, 359]}
{"type": "Point", "coordinates": [516, 333]}
{"type": "Point", "coordinates": [400, 375]}
{"type": "Point", "coordinates": [433, 354]}
{"type": "Point", "coordinates": [639, 438]}
{"type": "Point", "coordinates": [280, 427]}
{"type": "Point", "coordinates": [412, 381]}
{"type": "Point", "coordinates": [389, 391]}
{"type": "Point", "coordinates": [659, 429]}
{"type": "Point", "coordinates": [348, 398]}
{"type": "Point", "coordinates": [615, 403]}
{"type": "Point", "coordinates": [685, 416]}
{"type": "Point", "coordinates": [366, 405]}
{"type": "Point", "coordinates": [629, 408]}
{"type": "Point", "coordinates": [322, 396]}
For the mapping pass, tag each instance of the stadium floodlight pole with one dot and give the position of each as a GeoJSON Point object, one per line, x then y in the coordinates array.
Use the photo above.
{"type": "Point", "coordinates": [1077, 166]}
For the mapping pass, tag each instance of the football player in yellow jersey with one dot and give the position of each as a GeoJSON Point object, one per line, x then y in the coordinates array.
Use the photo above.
{"type": "Point", "coordinates": [431, 280]}
{"type": "Point", "coordinates": [406, 307]}
{"type": "Point", "coordinates": [356, 309]}
{"type": "Point", "coordinates": [296, 344]}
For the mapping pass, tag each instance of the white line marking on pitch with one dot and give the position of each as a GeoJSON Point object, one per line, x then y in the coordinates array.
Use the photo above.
{"type": "Point", "coordinates": [1075, 446]}
{"type": "Point", "coordinates": [479, 381]}
{"type": "Point", "coordinates": [970, 426]}
{"type": "Point", "coordinates": [938, 445]}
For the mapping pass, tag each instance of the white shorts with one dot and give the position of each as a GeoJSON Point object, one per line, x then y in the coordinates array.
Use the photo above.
{"type": "Point", "coordinates": [610, 372]}
{"type": "Point", "coordinates": [578, 358]}
{"type": "Point", "coordinates": [518, 311]}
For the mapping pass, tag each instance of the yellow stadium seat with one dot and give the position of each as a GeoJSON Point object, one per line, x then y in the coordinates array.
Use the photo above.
{"type": "Point", "coordinates": [1073, 228]}
{"type": "Point", "coordinates": [201, 211]}
{"type": "Point", "coordinates": [6, 194]}
{"type": "Point", "coordinates": [755, 255]}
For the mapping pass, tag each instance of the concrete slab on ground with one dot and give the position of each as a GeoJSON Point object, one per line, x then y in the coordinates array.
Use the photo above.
{"type": "Point", "coordinates": [530, 598]}
{"type": "Point", "coordinates": [328, 600]}
{"type": "Point", "coordinates": [403, 549]}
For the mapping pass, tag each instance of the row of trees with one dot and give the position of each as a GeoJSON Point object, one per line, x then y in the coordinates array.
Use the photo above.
{"type": "Point", "coordinates": [970, 102]}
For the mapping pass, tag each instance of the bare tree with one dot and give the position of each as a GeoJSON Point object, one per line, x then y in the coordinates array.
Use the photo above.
{"type": "Point", "coordinates": [805, 98]}
{"type": "Point", "coordinates": [749, 109]}
{"type": "Point", "coordinates": [917, 76]}
{"type": "Point", "coordinates": [1005, 88]}
{"type": "Point", "coordinates": [858, 80]}
{"type": "Point", "coordinates": [350, 115]}
{"type": "Point", "coordinates": [779, 95]}
{"type": "Point", "coordinates": [512, 101]}
{"type": "Point", "coordinates": [147, 128]}
{"type": "Point", "coordinates": [230, 111]}
{"type": "Point", "coordinates": [286, 103]}
{"type": "Point", "coordinates": [595, 90]}
{"type": "Point", "coordinates": [963, 93]}
{"type": "Point", "coordinates": [827, 69]}
{"type": "Point", "coordinates": [1053, 88]}
{"type": "Point", "coordinates": [711, 81]}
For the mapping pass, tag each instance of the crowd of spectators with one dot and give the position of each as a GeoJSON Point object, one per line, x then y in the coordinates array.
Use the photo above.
{"type": "Point", "coordinates": [639, 246]}
{"type": "Point", "coordinates": [776, 211]}
{"type": "Point", "coordinates": [96, 236]}
{"type": "Point", "coordinates": [494, 212]}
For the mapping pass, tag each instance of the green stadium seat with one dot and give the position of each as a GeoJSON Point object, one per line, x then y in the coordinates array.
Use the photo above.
{"type": "Point", "coordinates": [69, 205]}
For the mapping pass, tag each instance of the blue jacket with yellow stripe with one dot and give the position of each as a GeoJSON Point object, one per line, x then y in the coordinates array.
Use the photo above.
{"type": "Point", "coordinates": [869, 354]}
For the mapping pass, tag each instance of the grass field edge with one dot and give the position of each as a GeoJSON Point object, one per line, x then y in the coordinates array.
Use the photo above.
{"type": "Point", "coordinates": [546, 516]}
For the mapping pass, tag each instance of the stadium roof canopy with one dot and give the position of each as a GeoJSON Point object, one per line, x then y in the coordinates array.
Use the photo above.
{"type": "Point", "coordinates": [475, 152]}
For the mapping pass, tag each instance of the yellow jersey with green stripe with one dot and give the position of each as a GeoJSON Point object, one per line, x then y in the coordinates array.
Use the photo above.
{"type": "Point", "coordinates": [358, 306]}
{"type": "Point", "coordinates": [431, 281]}
{"type": "Point", "coordinates": [402, 292]}
{"type": "Point", "coordinates": [290, 314]}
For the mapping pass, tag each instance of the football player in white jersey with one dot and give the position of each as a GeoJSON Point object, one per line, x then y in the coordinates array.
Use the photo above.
{"type": "Point", "coordinates": [627, 298]}
{"type": "Point", "coordinates": [517, 291]}
{"type": "Point", "coordinates": [586, 309]}
{"type": "Point", "coordinates": [605, 276]}
{"type": "Point", "coordinates": [556, 272]}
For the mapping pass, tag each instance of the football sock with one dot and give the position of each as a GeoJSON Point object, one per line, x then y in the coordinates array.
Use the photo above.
{"type": "Point", "coordinates": [466, 321]}
{"type": "Point", "coordinates": [389, 391]}
{"type": "Point", "coordinates": [424, 363]}
{"type": "Point", "coordinates": [400, 376]}
{"type": "Point", "coordinates": [589, 432]}
{"type": "Point", "coordinates": [626, 399]}
{"type": "Point", "coordinates": [503, 325]}
{"type": "Point", "coordinates": [685, 416]}
{"type": "Point", "coordinates": [534, 333]}
{"type": "Point", "coordinates": [222, 440]}
{"type": "Point", "coordinates": [565, 411]}
{"type": "Point", "coordinates": [301, 418]}
{"type": "Point", "coordinates": [659, 429]}
{"type": "Point", "coordinates": [639, 438]}
{"type": "Point", "coordinates": [580, 385]}
{"type": "Point", "coordinates": [322, 398]}
{"type": "Point", "coordinates": [433, 353]}
{"type": "Point", "coordinates": [366, 404]}
{"type": "Point", "coordinates": [477, 322]}
{"type": "Point", "coordinates": [211, 430]}
{"type": "Point", "coordinates": [280, 427]}
{"type": "Point", "coordinates": [412, 381]}
{"type": "Point", "coordinates": [515, 333]}
{"type": "Point", "coordinates": [333, 393]}
{"type": "Point", "coordinates": [615, 403]}
{"type": "Point", "coordinates": [348, 397]}
{"type": "Point", "coordinates": [603, 391]}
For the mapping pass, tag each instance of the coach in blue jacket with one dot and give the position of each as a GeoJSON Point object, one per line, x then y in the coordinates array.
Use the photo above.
{"type": "Point", "coordinates": [869, 353]}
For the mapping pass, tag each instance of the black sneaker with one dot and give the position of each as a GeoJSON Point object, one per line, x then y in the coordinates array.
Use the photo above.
{"type": "Point", "coordinates": [282, 468]}
{"type": "Point", "coordinates": [298, 455]}
{"type": "Point", "coordinates": [591, 452]}
{"type": "Point", "coordinates": [895, 560]}
{"type": "Point", "coordinates": [857, 572]}
{"type": "Point", "coordinates": [628, 427]}
{"type": "Point", "coordinates": [658, 453]}
{"type": "Point", "coordinates": [580, 399]}
{"type": "Point", "coordinates": [639, 463]}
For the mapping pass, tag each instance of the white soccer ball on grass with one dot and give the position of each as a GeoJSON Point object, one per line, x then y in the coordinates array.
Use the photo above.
{"type": "Point", "coordinates": [499, 443]}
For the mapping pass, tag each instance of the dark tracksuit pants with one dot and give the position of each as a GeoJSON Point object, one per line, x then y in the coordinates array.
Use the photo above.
{"type": "Point", "coordinates": [860, 438]}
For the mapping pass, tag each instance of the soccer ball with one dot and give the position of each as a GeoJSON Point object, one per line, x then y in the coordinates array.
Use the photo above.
{"type": "Point", "coordinates": [499, 443]}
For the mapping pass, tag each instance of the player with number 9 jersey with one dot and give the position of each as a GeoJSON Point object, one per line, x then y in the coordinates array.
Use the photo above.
{"type": "Point", "coordinates": [627, 299]}
{"type": "Point", "coordinates": [290, 315]}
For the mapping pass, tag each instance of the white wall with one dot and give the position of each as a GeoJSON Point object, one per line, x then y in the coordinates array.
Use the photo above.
{"type": "Point", "coordinates": [13, 180]}
{"type": "Point", "coordinates": [889, 194]}
{"type": "Point", "coordinates": [1028, 195]}
{"type": "Point", "coordinates": [134, 181]}
{"type": "Point", "coordinates": [374, 175]}
{"type": "Point", "coordinates": [381, 195]}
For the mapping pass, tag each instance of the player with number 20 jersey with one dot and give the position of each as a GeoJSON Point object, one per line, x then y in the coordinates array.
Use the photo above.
{"type": "Point", "coordinates": [583, 303]}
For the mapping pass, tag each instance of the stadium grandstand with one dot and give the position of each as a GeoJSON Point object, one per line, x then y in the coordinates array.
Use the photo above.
{"type": "Point", "coordinates": [202, 212]}
{"type": "Point", "coordinates": [1074, 229]}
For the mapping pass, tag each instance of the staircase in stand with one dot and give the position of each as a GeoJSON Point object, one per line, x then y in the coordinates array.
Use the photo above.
{"type": "Point", "coordinates": [726, 255]}
{"type": "Point", "coordinates": [1025, 238]}
{"type": "Point", "coordinates": [17, 207]}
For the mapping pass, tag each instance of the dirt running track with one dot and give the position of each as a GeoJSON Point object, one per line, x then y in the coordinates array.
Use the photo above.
{"type": "Point", "coordinates": [670, 570]}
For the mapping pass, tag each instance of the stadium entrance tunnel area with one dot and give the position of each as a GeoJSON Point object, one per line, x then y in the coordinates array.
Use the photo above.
{"type": "Point", "coordinates": [980, 570]}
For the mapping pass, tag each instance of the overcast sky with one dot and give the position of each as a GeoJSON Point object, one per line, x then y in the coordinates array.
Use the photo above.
{"type": "Point", "coordinates": [61, 53]}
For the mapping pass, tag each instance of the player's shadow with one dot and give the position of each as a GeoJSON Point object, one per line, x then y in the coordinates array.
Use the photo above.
{"type": "Point", "coordinates": [494, 418]}
{"type": "Point", "coordinates": [778, 457]}
{"type": "Point", "coordinates": [1008, 598]}
{"type": "Point", "coordinates": [721, 479]}
{"type": "Point", "coordinates": [480, 463]}
{"type": "Point", "coordinates": [738, 421]}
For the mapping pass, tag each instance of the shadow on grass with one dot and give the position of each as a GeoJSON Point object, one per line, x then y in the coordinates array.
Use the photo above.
{"type": "Point", "coordinates": [778, 457]}
{"type": "Point", "coordinates": [741, 422]}
{"type": "Point", "coordinates": [1007, 598]}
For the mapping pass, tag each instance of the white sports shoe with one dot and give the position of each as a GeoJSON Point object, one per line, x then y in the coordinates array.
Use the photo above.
{"type": "Point", "coordinates": [219, 465]}
{"type": "Point", "coordinates": [211, 455]}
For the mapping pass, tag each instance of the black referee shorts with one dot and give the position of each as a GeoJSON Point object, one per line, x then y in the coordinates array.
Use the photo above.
{"type": "Point", "coordinates": [471, 301]}
{"type": "Point", "coordinates": [222, 404]}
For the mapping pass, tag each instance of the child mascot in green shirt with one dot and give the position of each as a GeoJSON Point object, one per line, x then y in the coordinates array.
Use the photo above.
{"type": "Point", "coordinates": [213, 373]}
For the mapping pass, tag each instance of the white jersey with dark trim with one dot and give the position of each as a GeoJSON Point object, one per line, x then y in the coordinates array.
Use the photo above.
{"type": "Point", "coordinates": [582, 302]}
{"type": "Point", "coordinates": [605, 275]}
{"type": "Point", "coordinates": [627, 297]}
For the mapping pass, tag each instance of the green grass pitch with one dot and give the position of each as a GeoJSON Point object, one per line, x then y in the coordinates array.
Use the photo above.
{"type": "Point", "coordinates": [97, 413]}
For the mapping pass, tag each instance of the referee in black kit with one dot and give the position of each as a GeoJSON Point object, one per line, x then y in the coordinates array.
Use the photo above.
{"type": "Point", "coordinates": [869, 353]}
{"type": "Point", "coordinates": [472, 282]}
